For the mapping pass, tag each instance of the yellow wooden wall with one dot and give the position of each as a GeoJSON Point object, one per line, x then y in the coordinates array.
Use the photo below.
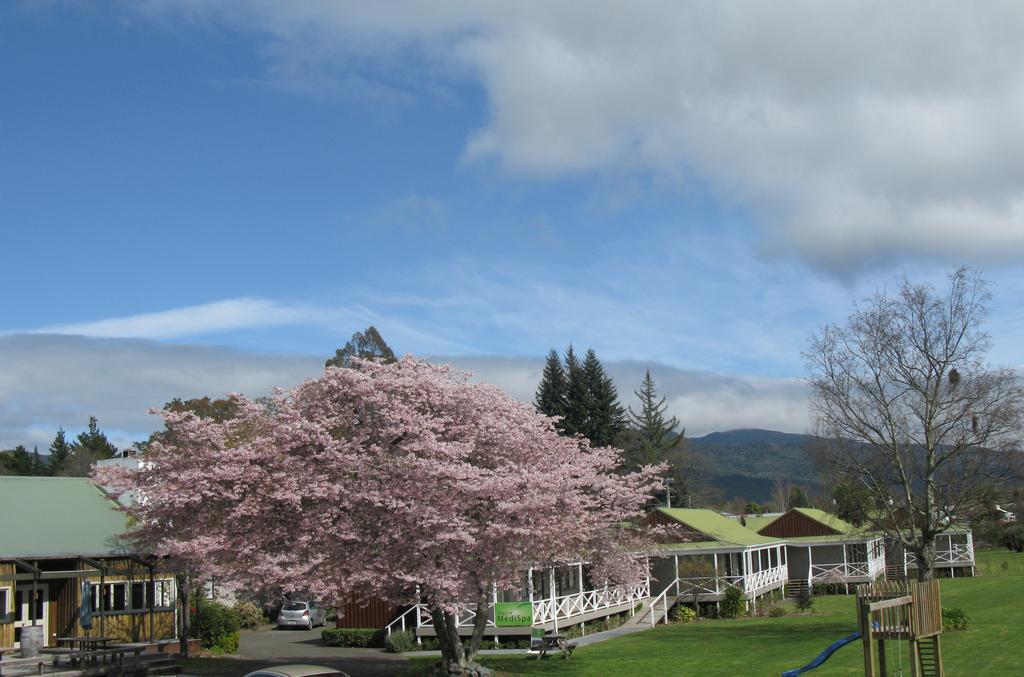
{"type": "Point", "coordinates": [7, 629]}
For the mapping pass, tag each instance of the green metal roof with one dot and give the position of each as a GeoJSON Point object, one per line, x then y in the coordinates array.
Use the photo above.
{"type": "Point", "coordinates": [829, 520]}
{"type": "Point", "coordinates": [758, 522]}
{"type": "Point", "coordinates": [56, 516]}
{"type": "Point", "coordinates": [717, 527]}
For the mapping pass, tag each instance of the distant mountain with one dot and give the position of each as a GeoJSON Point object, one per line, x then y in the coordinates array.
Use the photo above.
{"type": "Point", "coordinates": [746, 462]}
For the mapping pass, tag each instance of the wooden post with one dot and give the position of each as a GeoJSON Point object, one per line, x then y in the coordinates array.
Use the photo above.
{"type": "Point", "coordinates": [554, 605]}
{"type": "Point", "coordinates": [864, 620]}
{"type": "Point", "coordinates": [810, 570]}
{"type": "Point", "coordinates": [152, 603]}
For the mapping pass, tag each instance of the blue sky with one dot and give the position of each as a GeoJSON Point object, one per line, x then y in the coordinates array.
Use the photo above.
{"type": "Point", "coordinates": [247, 183]}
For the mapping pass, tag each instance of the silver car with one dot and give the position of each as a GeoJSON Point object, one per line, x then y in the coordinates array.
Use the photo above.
{"type": "Point", "coordinates": [296, 671]}
{"type": "Point", "coordinates": [301, 615]}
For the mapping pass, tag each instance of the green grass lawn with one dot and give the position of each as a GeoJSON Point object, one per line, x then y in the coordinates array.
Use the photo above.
{"type": "Point", "coordinates": [768, 646]}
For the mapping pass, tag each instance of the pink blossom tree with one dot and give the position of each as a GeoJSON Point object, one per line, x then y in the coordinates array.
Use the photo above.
{"type": "Point", "coordinates": [403, 481]}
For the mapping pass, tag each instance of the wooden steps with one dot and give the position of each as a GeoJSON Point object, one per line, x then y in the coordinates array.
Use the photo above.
{"type": "Point", "coordinates": [163, 665]}
{"type": "Point", "coordinates": [930, 657]}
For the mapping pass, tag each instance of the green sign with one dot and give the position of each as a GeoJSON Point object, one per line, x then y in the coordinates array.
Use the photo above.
{"type": "Point", "coordinates": [513, 614]}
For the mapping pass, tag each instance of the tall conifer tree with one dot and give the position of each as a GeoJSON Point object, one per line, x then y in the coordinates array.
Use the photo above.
{"type": "Point", "coordinates": [653, 437]}
{"type": "Point", "coordinates": [605, 417]}
{"type": "Point", "coordinates": [576, 395]}
{"type": "Point", "coordinates": [553, 388]}
{"type": "Point", "coordinates": [60, 452]}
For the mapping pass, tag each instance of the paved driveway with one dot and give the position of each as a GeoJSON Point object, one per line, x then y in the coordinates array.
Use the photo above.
{"type": "Point", "coordinates": [276, 647]}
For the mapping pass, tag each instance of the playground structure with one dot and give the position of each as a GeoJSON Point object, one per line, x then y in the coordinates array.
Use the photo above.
{"type": "Point", "coordinates": [898, 611]}
{"type": "Point", "coordinates": [893, 612]}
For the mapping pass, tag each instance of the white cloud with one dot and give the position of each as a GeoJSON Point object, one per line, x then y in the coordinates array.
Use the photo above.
{"type": "Point", "coordinates": [856, 131]}
{"type": "Point", "coordinates": [48, 381]}
{"type": "Point", "coordinates": [218, 316]}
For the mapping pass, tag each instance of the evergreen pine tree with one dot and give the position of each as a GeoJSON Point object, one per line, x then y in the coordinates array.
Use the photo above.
{"type": "Point", "coordinates": [552, 391]}
{"type": "Point", "coordinates": [653, 437]}
{"type": "Point", "coordinates": [605, 417]}
{"type": "Point", "coordinates": [19, 461]}
{"type": "Point", "coordinates": [60, 452]}
{"type": "Point", "coordinates": [94, 443]}
{"type": "Point", "coordinates": [39, 466]}
{"type": "Point", "coordinates": [577, 396]}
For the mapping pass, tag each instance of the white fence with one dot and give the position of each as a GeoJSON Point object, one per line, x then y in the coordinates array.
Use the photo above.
{"type": "Point", "coordinates": [751, 584]}
{"type": "Point", "coordinates": [548, 610]}
{"type": "Point", "coordinates": [958, 555]}
{"type": "Point", "coordinates": [845, 571]}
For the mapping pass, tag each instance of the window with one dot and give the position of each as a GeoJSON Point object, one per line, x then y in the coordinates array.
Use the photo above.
{"type": "Point", "coordinates": [5, 605]}
{"type": "Point", "coordinates": [138, 597]}
{"type": "Point", "coordinates": [111, 597]}
{"type": "Point", "coordinates": [163, 591]}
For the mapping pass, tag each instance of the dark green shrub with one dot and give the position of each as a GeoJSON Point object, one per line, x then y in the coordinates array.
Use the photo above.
{"type": "Point", "coordinates": [399, 642]}
{"type": "Point", "coordinates": [250, 615]}
{"type": "Point", "coordinates": [804, 601]}
{"type": "Point", "coordinates": [358, 637]}
{"type": "Point", "coordinates": [954, 619]}
{"type": "Point", "coordinates": [217, 626]}
{"type": "Point", "coordinates": [732, 603]}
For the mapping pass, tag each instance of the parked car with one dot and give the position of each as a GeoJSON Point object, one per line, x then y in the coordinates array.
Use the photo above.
{"type": "Point", "coordinates": [301, 615]}
{"type": "Point", "coordinates": [296, 670]}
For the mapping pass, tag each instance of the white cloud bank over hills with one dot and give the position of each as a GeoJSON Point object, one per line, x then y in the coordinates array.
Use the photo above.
{"type": "Point", "coordinates": [855, 131]}
{"type": "Point", "coordinates": [48, 381]}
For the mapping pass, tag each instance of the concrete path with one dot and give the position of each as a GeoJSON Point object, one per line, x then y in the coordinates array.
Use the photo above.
{"type": "Point", "coordinates": [270, 646]}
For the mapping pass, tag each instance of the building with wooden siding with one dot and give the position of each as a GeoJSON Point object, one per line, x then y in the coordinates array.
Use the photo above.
{"type": "Point", "coordinates": [823, 549]}
{"type": "Point", "coordinates": [60, 543]}
{"type": "Point", "coordinates": [706, 553]}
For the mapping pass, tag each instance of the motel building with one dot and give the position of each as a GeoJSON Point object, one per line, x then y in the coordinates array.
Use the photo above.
{"type": "Point", "coordinates": [65, 572]}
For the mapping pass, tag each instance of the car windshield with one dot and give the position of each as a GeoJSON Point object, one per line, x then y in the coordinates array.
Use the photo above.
{"type": "Point", "coordinates": [295, 606]}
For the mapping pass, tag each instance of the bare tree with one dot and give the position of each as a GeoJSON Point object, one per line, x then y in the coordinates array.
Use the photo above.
{"type": "Point", "coordinates": [913, 410]}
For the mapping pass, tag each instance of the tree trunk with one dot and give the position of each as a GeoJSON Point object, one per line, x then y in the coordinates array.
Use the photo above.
{"type": "Point", "coordinates": [925, 552]}
{"type": "Point", "coordinates": [446, 626]}
{"type": "Point", "coordinates": [454, 651]}
{"type": "Point", "coordinates": [183, 583]}
{"type": "Point", "coordinates": [479, 625]}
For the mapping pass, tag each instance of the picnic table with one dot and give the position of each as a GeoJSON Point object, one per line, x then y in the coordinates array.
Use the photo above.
{"type": "Point", "coordinates": [85, 643]}
{"type": "Point", "coordinates": [551, 642]}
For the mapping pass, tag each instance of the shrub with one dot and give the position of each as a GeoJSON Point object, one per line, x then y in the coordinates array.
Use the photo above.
{"type": "Point", "coordinates": [217, 626]}
{"type": "Point", "coordinates": [250, 615]}
{"type": "Point", "coordinates": [682, 614]}
{"type": "Point", "coordinates": [399, 642]}
{"type": "Point", "coordinates": [776, 611]}
{"type": "Point", "coordinates": [358, 637]}
{"type": "Point", "coordinates": [732, 603]}
{"type": "Point", "coordinates": [803, 600]}
{"type": "Point", "coordinates": [954, 619]}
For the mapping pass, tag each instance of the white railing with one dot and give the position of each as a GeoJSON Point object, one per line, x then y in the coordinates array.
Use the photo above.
{"type": "Point", "coordinates": [750, 584]}
{"type": "Point", "coordinates": [588, 601]}
{"type": "Point", "coordinates": [959, 554]}
{"type": "Point", "coordinates": [663, 598]}
{"type": "Point", "coordinates": [769, 578]}
{"type": "Point", "coordinates": [402, 622]}
{"type": "Point", "coordinates": [547, 610]}
{"type": "Point", "coordinates": [841, 571]}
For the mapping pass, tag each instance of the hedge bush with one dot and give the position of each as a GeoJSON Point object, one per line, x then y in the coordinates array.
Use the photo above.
{"type": "Point", "coordinates": [682, 614]}
{"type": "Point", "coordinates": [954, 619]}
{"type": "Point", "coordinates": [217, 626]}
{"type": "Point", "coordinates": [250, 615]}
{"type": "Point", "coordinates": [357, 637]}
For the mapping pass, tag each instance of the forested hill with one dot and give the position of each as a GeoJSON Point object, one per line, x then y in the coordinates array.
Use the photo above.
{"type": "Point", "coordinates": [745, 462]}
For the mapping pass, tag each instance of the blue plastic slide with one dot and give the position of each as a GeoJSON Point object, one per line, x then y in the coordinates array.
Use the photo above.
{"type": "Point", "coordinates": [823, 656]}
